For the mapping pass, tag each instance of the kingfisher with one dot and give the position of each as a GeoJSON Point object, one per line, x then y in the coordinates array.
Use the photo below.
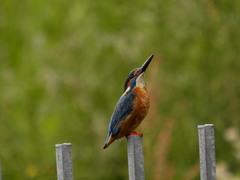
{"type": "Point", "coordinates": [132, 106]}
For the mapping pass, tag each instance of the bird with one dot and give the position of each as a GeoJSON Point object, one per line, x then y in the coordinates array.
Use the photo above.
{"type": "Point", "coordinates": [132, 106]}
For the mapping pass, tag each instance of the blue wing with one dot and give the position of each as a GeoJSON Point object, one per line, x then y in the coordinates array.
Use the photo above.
{"type": "Point", "coordinates": [123, 108]}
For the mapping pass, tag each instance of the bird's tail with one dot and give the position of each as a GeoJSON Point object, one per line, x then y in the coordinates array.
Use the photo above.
{"type": "Point", "coordinates": [105, 146]}
{"type": "Point", "coordinates": [109, 141]}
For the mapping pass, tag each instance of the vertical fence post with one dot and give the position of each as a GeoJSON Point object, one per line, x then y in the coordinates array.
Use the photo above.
{"type": "Point", "coordinates": [207, 152]}
{"type": "Point", "coordinates": [0, 170]}
{"type": "Point", "coordinates": [64, 161]}
{"type": "Point", "coordinates": [135, 157]}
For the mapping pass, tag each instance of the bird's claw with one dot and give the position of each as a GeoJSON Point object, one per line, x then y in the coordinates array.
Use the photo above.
{"type": "Point", "coordinates": [135, 133]}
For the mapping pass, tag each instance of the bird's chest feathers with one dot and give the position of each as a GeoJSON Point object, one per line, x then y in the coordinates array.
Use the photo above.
{"type": "Point", "coordinates": [142, 102]}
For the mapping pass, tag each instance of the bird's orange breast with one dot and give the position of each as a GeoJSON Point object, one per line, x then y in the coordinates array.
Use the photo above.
{"type": "Point", "coordinates": [140, 109]}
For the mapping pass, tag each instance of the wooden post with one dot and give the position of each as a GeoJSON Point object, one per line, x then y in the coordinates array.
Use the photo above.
{"type": "Point", "coordinates": [0, 171]}
{"type": "Point", "coordinates": [135, 157]}
{"type": "Point", "coordinates": [207, 152]}
{"type": "Point", "coordinates": [64, 161]}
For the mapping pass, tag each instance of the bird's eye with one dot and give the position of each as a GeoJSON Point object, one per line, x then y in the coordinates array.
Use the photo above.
{"type": "Point", "coordinates": [132, 75]}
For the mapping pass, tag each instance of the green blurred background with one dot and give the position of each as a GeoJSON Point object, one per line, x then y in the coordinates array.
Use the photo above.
{"type": "Point", "coordinates": [63, 65]}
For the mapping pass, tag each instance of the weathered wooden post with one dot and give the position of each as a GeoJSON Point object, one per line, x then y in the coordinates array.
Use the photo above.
{"type": "Point", "coordinates": [135, 157]}
{"type": "Point", "coordinates": [207, 152]}
{"type": "Point", "coordinates": [64, 161]}
{"type": "Point", "coordinates": [0, 171]}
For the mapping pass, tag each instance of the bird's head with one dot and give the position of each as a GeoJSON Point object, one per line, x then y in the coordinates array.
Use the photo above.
{"type": "Point", "coordinates": [135, 77]}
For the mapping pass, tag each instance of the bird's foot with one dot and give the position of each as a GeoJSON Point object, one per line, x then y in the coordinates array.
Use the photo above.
{"type": "Point", "coordinates": [135, 133]}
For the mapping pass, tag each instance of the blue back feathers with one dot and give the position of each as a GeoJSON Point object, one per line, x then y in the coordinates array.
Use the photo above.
{"type": "Point", "coordinates": [123, 108]}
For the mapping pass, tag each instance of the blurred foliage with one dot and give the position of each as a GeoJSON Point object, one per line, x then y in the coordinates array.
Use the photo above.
{"type": "Point", "coordinates": [63, 65]}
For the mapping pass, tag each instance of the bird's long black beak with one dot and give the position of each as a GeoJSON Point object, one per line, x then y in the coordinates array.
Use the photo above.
{"type": "Point", "coordinates": [145, 64]}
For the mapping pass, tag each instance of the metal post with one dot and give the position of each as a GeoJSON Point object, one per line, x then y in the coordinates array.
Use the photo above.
{"type": "Point", "coordinates": [64, 161]}
{"type": "Point", "coordinates": [207, 152]}
{"type": "Point", "coordinates": [135, 157]}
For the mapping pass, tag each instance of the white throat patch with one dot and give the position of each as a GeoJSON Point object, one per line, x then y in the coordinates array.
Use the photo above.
{"type": "Point", "coordinates": [140, 82]}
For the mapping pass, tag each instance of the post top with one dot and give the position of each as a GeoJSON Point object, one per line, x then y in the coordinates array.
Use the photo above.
{"type": "Point", "coordinates": [63, 144]}
{"type": "Point", "coordinates": [205, 125]}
